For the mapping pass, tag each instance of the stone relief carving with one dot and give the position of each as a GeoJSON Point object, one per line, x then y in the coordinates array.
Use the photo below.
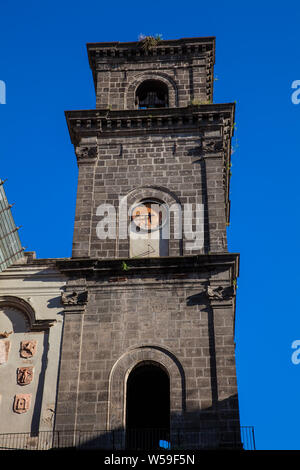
{"type": "Point", "coordinates": [28, 348]}
{"type": "Point", "coordinates": [5, 334]}
{"type": "Point", "coordinates": [48, 415]}
{"type": "Point", "coordinates": [4, 351]}
{"type": "Point", "coordinates": [211, 146]}
{"type": "Point", "coordinates": [74, 298]}
{"type": "Point", "coordinates": [24, 375]}
{"type": "Point", "coordinates": [86, 152]}
{"type": "Point", "coordinates": [22, 403]}
{"type": "Point", "coordinates": [219, 293]}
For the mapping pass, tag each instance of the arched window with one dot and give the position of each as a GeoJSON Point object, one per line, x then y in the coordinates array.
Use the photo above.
{"type": "Point", "coordinates": [149, 230]}
{"type": "Point", "coordinates": [152, 94]}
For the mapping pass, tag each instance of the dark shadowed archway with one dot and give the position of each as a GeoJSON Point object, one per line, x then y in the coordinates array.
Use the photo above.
{"type": "Point", "coordinates": [152, 94]}
{"type": "Point", "coordinates": [147, 407]}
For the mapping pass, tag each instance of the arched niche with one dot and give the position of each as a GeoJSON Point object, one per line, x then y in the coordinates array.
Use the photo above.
{"type": "Point", "coordinates": [16, 314]}
{"type": "Point", "coordinates": [21, 305]}
{"type": "Point", "coordinates": [149, 232]}
{"type": "Point", "coordinates": [167, 238]}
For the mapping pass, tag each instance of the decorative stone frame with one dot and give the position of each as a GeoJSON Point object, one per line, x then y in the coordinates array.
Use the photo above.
{"type": "Point", "coordinates": [162, 77]}
{"type": "Point", "coordinates": [158, 193]}
{"type": "Point", "coordinates": [24, 307]}
{"type": "Point", "coordinates": [116, 419]}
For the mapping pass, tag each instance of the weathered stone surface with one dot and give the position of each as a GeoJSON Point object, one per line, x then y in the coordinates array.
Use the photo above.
{"type": "Point", "coordinates": [4, 350]}
{"type": "Point", "coordinates": [154, 311]}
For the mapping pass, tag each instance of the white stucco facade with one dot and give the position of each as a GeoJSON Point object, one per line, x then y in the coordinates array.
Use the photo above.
{"type": "Point", "coordinates": [31, 314]}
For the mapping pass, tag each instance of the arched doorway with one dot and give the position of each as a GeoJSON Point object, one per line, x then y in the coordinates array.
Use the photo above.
{"type": "Point", "coordinates": [147, 407]}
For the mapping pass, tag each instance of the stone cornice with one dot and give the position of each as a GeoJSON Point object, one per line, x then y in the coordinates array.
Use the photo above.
{"type": "Point", "coordinates": [40, 270]}
{"type": "Point", "coordinates": [124, 274]}
{"type": "Point", "coordinates": [175, 48]}
{"type": "Point", "coordinates": [103, 122]}
{"type": "Point", "coordinates": [115, 268]}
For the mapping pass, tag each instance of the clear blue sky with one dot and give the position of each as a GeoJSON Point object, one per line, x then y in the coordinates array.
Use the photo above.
{"type": "Point", "coordinates": [43, 62]}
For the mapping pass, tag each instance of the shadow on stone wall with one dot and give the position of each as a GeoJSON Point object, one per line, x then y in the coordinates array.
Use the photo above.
{"type": "Point", "coordinates": [36, 417]}
{"type": "Point", "coordinates": [213, 428]}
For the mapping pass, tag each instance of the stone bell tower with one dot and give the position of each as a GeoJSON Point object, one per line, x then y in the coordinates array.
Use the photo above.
{"type": "Point", "coordinates": [149, 318]}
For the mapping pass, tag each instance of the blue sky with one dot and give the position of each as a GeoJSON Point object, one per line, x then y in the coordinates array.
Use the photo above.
{"type": "Point", "coordinates": [43, 62]}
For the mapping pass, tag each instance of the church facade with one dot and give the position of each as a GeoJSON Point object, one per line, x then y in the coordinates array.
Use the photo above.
{"type": "Point", "coordinates": [148, 296]}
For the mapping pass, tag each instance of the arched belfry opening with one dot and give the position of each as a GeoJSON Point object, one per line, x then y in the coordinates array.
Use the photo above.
{"type": "Point", "coordinates": [147, 407]}
{"type": "Point", "coordinates": [152, 94]}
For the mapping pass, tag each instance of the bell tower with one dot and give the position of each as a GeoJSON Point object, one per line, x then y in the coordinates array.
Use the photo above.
{"type": "Point", "coordinates": [150, 301]}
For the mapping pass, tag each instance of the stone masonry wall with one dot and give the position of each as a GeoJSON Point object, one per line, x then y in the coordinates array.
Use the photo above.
{"type": "Point", "coordinates": [187, 80]}
{"type": "Point", "coordinates": [173, 164]}
{"type": "Point", "coordinates": [149, 317]}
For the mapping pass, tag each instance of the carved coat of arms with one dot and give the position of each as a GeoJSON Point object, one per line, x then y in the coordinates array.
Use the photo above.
{"type": "Point", "coordinates": [22, 403]}
{"type": "Point", "coordinates": [24, 375]}
{"type": "Point", "coordinates": [28, 348]}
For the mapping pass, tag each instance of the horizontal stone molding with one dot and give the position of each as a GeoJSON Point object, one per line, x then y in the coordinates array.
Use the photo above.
{"type": "Point", "coordinates": [178, 48]}
{"type": "Point", "coordinates": [93, 123]}
{"type": "Point", "coordinates": [96, 268]}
